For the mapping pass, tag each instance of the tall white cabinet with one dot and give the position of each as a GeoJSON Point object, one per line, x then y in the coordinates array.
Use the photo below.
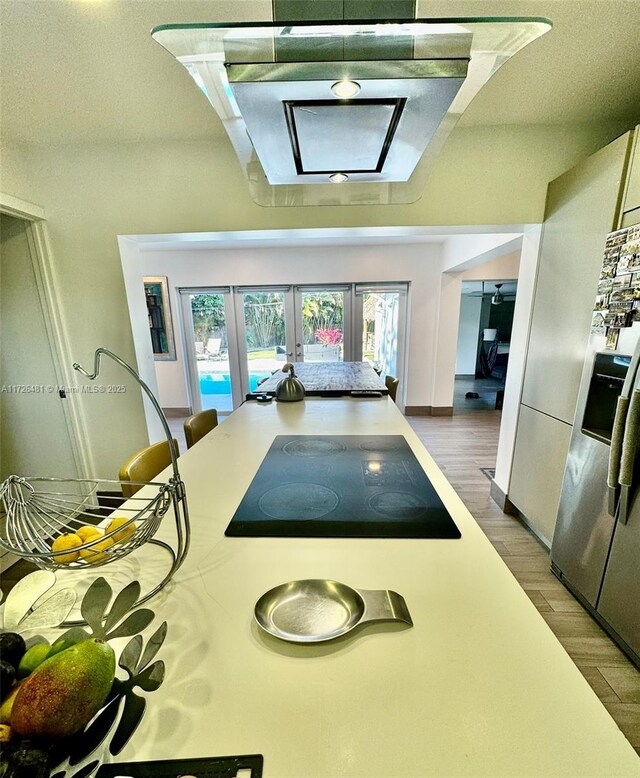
{"type": "Point", "coordinates": [583, 205]}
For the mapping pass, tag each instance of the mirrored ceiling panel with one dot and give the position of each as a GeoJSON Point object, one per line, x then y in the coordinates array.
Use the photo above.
{"type": "Point", "coordinates": [323, 141]}
{"type": "Point", "coordinates": [343, 113]}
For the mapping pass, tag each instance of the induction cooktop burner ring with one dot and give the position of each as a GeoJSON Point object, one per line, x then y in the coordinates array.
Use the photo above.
{"type": "Point", "coordinates": [398, 505]}
{"type": "Point", "coordinates": [380, 447]}
{"type": "Point", "coordinates": [314, 447]}
{"type": "Point", "coordinates": [298, 501]}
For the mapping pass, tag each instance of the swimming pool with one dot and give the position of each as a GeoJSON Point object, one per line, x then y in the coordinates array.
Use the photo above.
{"type": "Point", "coordinates": [220, 383]}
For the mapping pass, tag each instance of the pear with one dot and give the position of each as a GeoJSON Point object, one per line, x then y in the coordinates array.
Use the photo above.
{"type": "Point", "coordinates": [65, 691]}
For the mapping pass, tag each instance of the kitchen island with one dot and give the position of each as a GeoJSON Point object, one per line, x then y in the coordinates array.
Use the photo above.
{"type": "Point", "coordinates": [479, 686]}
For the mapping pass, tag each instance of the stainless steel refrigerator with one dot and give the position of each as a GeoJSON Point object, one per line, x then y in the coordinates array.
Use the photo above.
{"type": "Point", "coordinates": [596, 545]}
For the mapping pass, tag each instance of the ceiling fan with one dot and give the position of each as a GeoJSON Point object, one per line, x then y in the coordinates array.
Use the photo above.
{"type": "Point", "coordinates": [497, 297]}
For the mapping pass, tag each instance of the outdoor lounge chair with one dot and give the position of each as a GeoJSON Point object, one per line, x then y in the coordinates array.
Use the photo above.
{"type": "Point", "coordinates": [213, 347]}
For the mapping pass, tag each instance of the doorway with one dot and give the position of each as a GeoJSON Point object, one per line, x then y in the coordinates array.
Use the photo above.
{"type": "Point", "coordinates": [381, 313]}
{"type": "Point", "coordinates": [323, 331]}
{"type": "Point", "coordinates": [212, 364]}
{"type": "Point", "coordinates": [264, 332]}
{"type": "Point", "coordinates": [484, 342]}
{"type": "Point", "coordinates": [35, 438]}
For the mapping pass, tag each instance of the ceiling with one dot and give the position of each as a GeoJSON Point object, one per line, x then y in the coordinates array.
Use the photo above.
{"type": "Point", "coordinates": [501, 240]}
{"type": "Point", "coordinates": [87, 71]}
{"type": "Point", "coordinates": [478, 288]}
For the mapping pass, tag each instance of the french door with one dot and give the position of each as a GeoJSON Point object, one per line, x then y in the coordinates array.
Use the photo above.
{"type": "Point", "coordinates": [210, 338]}
{"type": "Point", "coordinates": [236, 337]}
{"type": "Point", "coordinates": [323, 331]}
{"type": "Point", "coordinates": [380, 311]}
{"type": "Point", "coordinates": [264, 316]}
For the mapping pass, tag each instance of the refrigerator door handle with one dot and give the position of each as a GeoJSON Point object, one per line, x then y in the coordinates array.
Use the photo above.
{"type": "Point", "coordinates": [618, 432]}
{"type": "Point", "coordinates": [615, 452]}
{"type": "Point", "coordinates": [628, 458]}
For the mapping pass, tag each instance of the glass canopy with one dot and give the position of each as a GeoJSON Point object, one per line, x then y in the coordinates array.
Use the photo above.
{"type": "Point", "coordinates": [275, 89]}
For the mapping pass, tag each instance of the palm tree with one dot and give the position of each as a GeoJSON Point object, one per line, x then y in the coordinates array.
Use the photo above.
{"type": "Point", "coordinates": [264, 319]}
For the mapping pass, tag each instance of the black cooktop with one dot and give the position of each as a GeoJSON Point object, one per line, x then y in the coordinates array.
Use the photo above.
{"type": "Point", "coordinates": [341, 486]}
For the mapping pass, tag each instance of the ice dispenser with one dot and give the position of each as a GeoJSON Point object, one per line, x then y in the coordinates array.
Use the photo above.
{"type": "Point", "coordinates": [607, 380]}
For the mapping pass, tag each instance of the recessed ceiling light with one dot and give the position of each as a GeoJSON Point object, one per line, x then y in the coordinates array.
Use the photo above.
{"type": "Point", "coordinates": [338, 178]}
{"type": "Point", "coordinates": [345, 88]}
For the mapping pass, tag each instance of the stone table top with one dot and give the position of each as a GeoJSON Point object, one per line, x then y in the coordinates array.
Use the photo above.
{"type": "Point", "coordinates": [331, 377]}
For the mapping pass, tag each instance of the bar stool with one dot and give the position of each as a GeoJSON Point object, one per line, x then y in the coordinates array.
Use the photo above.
{"type": "Point", "coordinates": [145, 465]}
{"type": "Point", "coordinates": [198, 425]}
{"type": "Point", "coordinates": [392, 385]}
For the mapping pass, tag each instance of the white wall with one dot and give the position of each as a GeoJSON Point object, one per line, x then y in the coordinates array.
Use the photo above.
{"type": "Point", "coordinates": [468, 329]}
{"type": "Point", "coordinates": [465, 252]}
{"type": "Point", "coordinates": [417, 263]}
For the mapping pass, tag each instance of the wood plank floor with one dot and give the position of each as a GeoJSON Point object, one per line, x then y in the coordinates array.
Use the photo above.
{"type": "Point", "coordinates": [462, 445]}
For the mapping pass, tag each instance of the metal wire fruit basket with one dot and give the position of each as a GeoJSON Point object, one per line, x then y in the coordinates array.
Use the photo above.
{"type": "Point", "coordinates": [46, 517]}
{"type": "Point", "coordinates": [41, 511]}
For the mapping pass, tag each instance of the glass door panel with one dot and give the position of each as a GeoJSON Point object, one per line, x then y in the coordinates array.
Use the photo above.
{"type": "Point", "coordinates": [322, 325]}
{"type": "Point", "coordinates": [263, 315]}
{"type": "Point", "coordinates": [213, 377]}
{"type": "Point", "coordinates": [380, 316]}
{"type": "Point", "coordinates": [380, 330]}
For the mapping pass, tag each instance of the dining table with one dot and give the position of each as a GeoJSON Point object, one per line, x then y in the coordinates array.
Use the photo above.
{"type": "Point", "coordinates": [477, 685]}
{"type": "Point", "coordinates": [331, 379]}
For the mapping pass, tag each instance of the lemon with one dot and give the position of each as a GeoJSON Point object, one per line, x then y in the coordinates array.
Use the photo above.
{"type": "Point", "coordinates": [94, 554]}
{"type": "Point", "coordinates": [117, 522]}
{"type": "Point", "coordinates": [64, 543]}
{"type": "Point", "coordinates": [88, 532]}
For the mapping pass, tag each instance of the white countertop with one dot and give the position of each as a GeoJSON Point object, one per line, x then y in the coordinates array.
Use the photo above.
{"type": "Point", "coordinates": [478, 687]}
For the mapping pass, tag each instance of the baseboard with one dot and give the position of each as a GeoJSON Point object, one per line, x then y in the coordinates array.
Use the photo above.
{"type": "Point", "coordinates": [175, 413]}
{"type": "Point", "coordinates": [502, 500]}
{"type": "Point", "coordinates": [417, 410]}
{"type": "Point", "coordinates": [428, 410]}
{"type": "Point", "coordinates": [506, 506]}
{"type": "Point", "coordinates": [546, 544]}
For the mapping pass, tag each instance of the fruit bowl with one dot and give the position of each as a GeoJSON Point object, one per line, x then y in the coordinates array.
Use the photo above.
{"type": "Point", "coordinates": [68, 706]}
{"type": "Point", "coordinates": [44, 515]}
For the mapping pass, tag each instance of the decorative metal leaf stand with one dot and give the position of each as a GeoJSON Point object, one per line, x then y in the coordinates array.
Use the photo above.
{"type": "Point", "coordinates": [27, 607]}
{"type": "Point", "coordinates": [35, 515]}
{"type": "Point", "coordinates": [76, 757]}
